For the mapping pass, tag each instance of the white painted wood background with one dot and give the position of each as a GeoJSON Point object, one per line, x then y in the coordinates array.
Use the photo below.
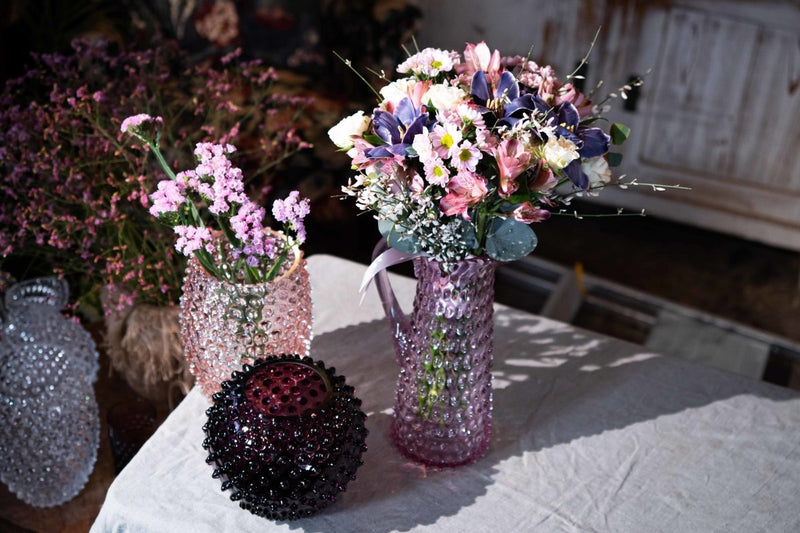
{"type": "Point", "coordinates": [719, 113]}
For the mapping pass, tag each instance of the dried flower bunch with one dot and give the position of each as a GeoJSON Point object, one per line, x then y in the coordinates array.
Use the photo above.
{"type": "Point", "coordinates": [73, 192]}
{"type": "Point", "coordinates": [465, 152]}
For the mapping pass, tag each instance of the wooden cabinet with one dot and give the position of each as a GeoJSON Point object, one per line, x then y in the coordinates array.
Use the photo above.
{"type": "Point", "coordinates": [719, 111]}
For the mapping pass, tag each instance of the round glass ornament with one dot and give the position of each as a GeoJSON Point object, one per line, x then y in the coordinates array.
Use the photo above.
{"type": "Point", "coordinates": [286, 435]}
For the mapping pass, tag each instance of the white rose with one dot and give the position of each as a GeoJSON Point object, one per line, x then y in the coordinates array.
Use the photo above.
{"type": "Point", "coordinates": [342, 133]}
{"type": "Point", "coordinates": [444, 97]}
{"type": "Point", "coordinates": [597, 170]}
{"type": "Point", "coordinates": [560, 152]}
{"type": "Point", "coordinates": [397, 90]}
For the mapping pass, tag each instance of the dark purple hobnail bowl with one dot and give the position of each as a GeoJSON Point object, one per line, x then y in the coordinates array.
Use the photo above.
{"type": "Point", "coordinates": [286, 436]}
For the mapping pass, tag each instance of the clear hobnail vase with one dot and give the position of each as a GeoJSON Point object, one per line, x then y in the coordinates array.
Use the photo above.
{"type": "Point", "coordinates": [50, 429]}
{"type": "Point", "coordinates": [225, 325]}
{"type": "Point", "coordinates": [32, 310]}
{"type": "Point", "coordinates": [443, 402]}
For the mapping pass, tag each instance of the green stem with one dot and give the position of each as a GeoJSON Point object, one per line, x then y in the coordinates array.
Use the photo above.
{"type": "Point", "coordinates": [480, 231]}
{"type": "Point", "coordinates": [276, 266]}
{"type": "Point", "coordinates": [163, 162]}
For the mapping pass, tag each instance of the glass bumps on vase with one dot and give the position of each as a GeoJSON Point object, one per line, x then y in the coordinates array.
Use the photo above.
{"type": "Point", "coordinates": [50, 429]}
{"type": "Point", "coordinates": [442, 411]}
{"type": "Point", "coordinates": [286, 435]}
{"type": "Point", "coordinates": [34, 309]}
{"type": "Point", "coordinates": [224, 325]}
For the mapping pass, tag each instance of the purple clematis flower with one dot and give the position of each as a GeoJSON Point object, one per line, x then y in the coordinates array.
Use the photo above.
{"type": "Point", "coordinates": [398, 129]}
{"type": "Point", "coordinates": [591, 142]}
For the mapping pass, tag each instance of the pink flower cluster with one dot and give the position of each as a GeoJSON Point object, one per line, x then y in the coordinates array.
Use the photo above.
{"type": "Point", "coordinates": [190, 239]}
{"type": "Point", "coordinates": [137, 124]}
{"type": "Point", "coordinates": [292, 211]}
{"type": "Point", "coordinates": [216, 185]}
{"type": "Point", "coordinates": [168, 198]}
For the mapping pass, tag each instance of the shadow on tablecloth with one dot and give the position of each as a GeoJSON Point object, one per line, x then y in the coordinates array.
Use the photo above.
{"type": "Point", "coordinates": [554, 384]}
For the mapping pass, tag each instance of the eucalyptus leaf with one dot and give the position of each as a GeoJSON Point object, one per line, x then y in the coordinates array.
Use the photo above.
{"type": "Point", "coordinates": [619, 133]}
{"type": "Point", "coordinates": [509, 239]}
{"type": "Point", "coordinates": [614, 159]}
{"type": "Point", "coordinates": [468, 235]}
{"type": "Point", "coordinates": [397, 240]}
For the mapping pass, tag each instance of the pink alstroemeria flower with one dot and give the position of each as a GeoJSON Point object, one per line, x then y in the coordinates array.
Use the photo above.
{"type": "Point", "coordinates": [358, 153]}
{"type": "Point", "coordinates": [479, 57]}
{"type": "Point", "coordinates": [512, 160]}
{"type": "Point", "coordinates": [543, 180]}
{"type": "Point", "coordinates": [568, 93]}
{"type": "Point", "coordinates": [527, 213]}
{"type": "Point", "coordinates": [464, 190]}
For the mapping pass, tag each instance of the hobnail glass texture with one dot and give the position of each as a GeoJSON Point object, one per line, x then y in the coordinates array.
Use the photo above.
{"type": "Point", "coordinates": [50, 429]}
{"type": "Point", "coordinates": [286, 436]}
{"type": "Point", "coordinates": [33, 316]}
{"type": "Point", "coordinates": [225, 325]}
{"type": "Point", "coordinates": [443, 403]}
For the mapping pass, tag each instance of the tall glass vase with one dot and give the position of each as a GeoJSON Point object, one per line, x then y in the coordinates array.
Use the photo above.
{"type": "Point", "coordinates": [225, 325]}
{"type": "Point", "coordinates": [49, 424]}
{"type": "Point", "coordinates": [443, 403]}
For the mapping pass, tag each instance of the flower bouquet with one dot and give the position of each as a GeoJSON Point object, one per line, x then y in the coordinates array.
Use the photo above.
{"type": "Point", "coordinates": [242, 297]}
{"type": "Point", "coordinates": [463, 154]}
{"type": "Point", "coordinates": [456, 162]}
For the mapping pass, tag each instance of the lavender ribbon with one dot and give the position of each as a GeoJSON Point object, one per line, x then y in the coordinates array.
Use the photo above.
{"type": "Point", "coordinates": [388, 258]}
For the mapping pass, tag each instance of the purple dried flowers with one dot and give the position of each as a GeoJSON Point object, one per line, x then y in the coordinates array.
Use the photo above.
{"type": "Point", "coordinates": [75, 199]}
{"type": "Point", "coordinates": [246, 252]}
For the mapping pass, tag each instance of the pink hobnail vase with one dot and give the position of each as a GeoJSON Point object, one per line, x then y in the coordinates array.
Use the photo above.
{"type": "Point", "coordinates": [225, 325]}
{"type": "Point", "coordinates": [443, 402]}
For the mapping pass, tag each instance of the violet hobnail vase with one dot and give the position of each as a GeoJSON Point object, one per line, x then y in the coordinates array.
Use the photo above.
{"type": "Point", "coordinates": [225, 325]}
{"type": "Point", "coordinates": [443, 402]}
{"type": "Point", "coordinates": [285, 436]}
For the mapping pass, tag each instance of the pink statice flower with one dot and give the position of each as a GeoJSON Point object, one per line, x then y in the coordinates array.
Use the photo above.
{"type": "Point", "coordinates": [248, 222]}
{"type": "Point", "coordinates": [168, 197]}
{"type": "Point", "coordinates": [226, 187]}
{"type": "Point", "coordinates": [142, 126]}
{"type": "Point", "coordinates": [291, 211]}
{"type": "Point", "coordinates": [191, 238]}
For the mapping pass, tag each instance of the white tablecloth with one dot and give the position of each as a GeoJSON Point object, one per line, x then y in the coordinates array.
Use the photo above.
{"type": "Point", "coordinates": [590, 434]}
